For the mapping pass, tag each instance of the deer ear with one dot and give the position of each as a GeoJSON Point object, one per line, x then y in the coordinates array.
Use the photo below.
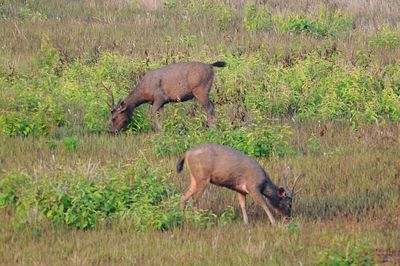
{"type": "Point", "coordinates": [282, 192]}
{"type": "Point", "coordinates": [122, 106]}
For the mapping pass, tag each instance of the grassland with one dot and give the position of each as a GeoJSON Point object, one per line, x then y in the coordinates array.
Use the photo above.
{"type": "Point", "coordinates": [312, 84]}
{"type": "Point", "coordinates": [349, 199]}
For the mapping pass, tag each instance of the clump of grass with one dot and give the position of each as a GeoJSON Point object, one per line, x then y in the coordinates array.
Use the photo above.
{"type": "Point", "coordinates": [353, 255]}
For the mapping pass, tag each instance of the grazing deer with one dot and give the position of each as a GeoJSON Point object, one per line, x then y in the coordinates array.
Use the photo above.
{"type": "Point", "coordinates": [173, 83]}
{"type": "Point", "coordinates": [226, 167]}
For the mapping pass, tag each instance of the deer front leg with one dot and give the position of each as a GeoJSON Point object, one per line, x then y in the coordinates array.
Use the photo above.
{"type": "Point", "coordinates": [242, 203]}
{"type": "Point", "coordinates": [259, 199]}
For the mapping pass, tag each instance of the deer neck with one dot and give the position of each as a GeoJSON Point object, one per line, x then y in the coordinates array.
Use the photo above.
{"type": "Point", "coordinates": [134, 99]}
{"type": "Point", "coordinates": [271, 192]}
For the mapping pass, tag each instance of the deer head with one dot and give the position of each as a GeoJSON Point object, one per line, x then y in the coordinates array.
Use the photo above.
{"type": "Point", "coordinates": [286, 195]}
{"type": "Point", "coordinates": [119, 115]}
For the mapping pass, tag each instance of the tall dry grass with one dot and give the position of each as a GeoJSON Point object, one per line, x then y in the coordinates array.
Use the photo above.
{"type": "Point", "coordinates": [190, 29]}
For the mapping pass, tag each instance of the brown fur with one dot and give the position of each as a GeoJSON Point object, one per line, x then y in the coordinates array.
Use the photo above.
{"type": "Point", "coordinates": [173, 83]}
{"type": "Point", "coordinates": [226, 167]}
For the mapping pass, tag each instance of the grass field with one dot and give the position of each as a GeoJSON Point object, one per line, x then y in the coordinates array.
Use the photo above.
{"type": "Point", "coordinates": [312, 84]}
{"type": "Point", "coordinates": [349, 200]}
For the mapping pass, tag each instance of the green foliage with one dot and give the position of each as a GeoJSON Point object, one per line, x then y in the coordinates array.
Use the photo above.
{"type": "Point", "coordinates": [257, 18]}
{"type": "Point", "coordinates": [258, 141]}
{"type": "Point", "coordinates": [228, 216]}
{"type": "Point", "coordinates": [293, 227]}
{"type": "Point", "coordinates": [386, 38]}
{"type": "Point", "coordinates": [247, 90]}
{"type": "Point", "coordinates": [70, 143]}
{"type": "Point", "coordinates": [304, 24]}
{"type": "Point", "coordinates": [9, 186]}
{"type": "Point", "coordinates": [24, 10]}
{"type": "Point", "coordinates": [67, 95]}
{"type": "Point", "coordinates": [326, 24]}
{"type": "Point", "coordinates": [323, 23]}
{"type": "Point", "coordinates": [353, 255]}
{"type": "Point", "coordinates": [171, 4]}
{"type": "Point", "coordinates": [138, 195]}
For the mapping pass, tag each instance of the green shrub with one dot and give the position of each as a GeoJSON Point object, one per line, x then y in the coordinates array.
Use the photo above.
{"type": "Point", "coordinates": [9, 187]}
{"type": "Point", "coordinates": [386, 38]}
{"type": "Point", "coordinates": [353, 255]}
{"type": "Point", "coordinates": [228, 216]}
{"type": "Point", "coordinates": [257, 18]}
{"type": "Point", "coordinates": [304, 24]}
{"type": "Point", "coordinates": [71, 143]}
{"type": "Point", "coordinates": [138, 195]}
{"type": "Point", "coordinates": [171, 4]}
{"type": "Point", "coordinates": [322, 23]}
{"type": "Point", "coordinates": [257, 141]}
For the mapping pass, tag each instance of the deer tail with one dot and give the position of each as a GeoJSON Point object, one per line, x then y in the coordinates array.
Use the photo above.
{"type": "Point", "coordinates": [219, 64]}
{"type": "Point", "coordinates": [179, 165]}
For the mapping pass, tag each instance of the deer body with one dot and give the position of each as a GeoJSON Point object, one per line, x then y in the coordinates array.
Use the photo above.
{"type": "Point", "coordinates": [172, 83]}
{"type": "Point", "coordinates": [226, 167]}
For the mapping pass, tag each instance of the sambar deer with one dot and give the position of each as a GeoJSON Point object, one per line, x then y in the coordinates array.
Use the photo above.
{"type": "Point", "coordinates": [226, 167]}
{"type": "Point", "coordinates": [173, 83]}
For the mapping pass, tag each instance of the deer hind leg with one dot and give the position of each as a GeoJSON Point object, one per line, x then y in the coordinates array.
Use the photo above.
{"type": "Point", "coordinates": [189, 192]}
{"type": "Point", "coordinates": [201, 186]}
{"type": "Point", "coordinates": [198, 184]}
{"type": "Point", "coordinates": [260, 200]}
{"type": "Point", "coordinates": [202, 95]}
{"type": "Point", "coordinates": [207, 104]}
{"type": "Point", "coordinates": [242, 203]}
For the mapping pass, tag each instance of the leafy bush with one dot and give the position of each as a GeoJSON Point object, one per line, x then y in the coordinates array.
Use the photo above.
{"type": "Point", "coordinates": [71, 143]}
{"type": "Point", "coordinates": [353, 255]}
{"type": "Point", "coordinates": [9, 187]}
{"type": "Point", "coordinates": [323, 23]}
{"type": "Point", "coordinates": [138, 195]}
{"type": "Point", "coordinates": [386, 38]}
{"type": "Point", "coordinates": [228, 216]}
{"type": "Point", "coordinates": [257, 141]}
{"type": "Point", "coordinates": [304, 24]}
{"type": "Point", "coordinates": [257, 18]}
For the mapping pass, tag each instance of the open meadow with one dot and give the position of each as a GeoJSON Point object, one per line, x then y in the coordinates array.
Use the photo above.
{"type": "Point", "coordinates": [310, 84]}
